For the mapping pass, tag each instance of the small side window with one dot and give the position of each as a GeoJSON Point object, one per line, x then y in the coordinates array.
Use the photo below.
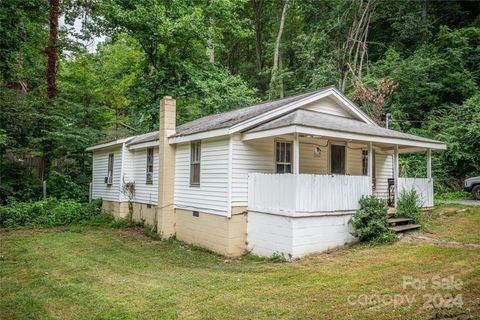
{"type": "Point", "coordinates": [283, 157]}
{"type": "Point", "coordinates": [195, 157]}
{"type": "Point", "coordinates": [365, 162]}
{"type": "Point", "coordinates": [149, 179]}
{"type": "Point", "coordinates": [109, 177]}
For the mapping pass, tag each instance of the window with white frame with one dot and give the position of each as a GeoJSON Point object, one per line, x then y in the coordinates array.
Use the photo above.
{"type": "Point", "coordinates": [283, 156]}
{"type": "Point", "coordinates": [149, 179]}
{"type": "Point", "coordinates": [195, 157]}
{"type": "Point", "coordinates": [109, 177]}
{"type": "Point", "coordinates": [365, 162]}
{"type": "Point", "coordinates": [365, 166]}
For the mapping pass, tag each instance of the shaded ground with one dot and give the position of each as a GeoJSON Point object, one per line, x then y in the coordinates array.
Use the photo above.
{"type": "Point", "coordinates": [94, 273]}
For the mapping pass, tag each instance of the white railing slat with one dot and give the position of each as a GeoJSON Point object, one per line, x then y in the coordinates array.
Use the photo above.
{"type": "Point", "coordinates": [423, 186]}
{"type": "Point", "coordinates": [305, 193]}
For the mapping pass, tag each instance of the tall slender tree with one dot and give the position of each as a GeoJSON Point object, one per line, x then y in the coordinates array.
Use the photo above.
{"type": "Point", "coordinates": [276, 55]}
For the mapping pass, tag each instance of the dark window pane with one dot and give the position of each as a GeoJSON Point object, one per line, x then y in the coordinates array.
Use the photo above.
{"type": "Point", "coordinates": [195, 173]}
{"type": "Point", "coordinates": [288, 168]}
{"type": "Point", "coordinates": [195, 155]}
{"type": "Point", "coordinates": [277, 152]}
{"type": "Point", "coordinates": [282, 152]}
{"type": "Point", "coordinates": [288, 152]}
{"type": "Point", "coordinates": [338, 159]}
{"type": "Point", "coordinates": [280, 168]}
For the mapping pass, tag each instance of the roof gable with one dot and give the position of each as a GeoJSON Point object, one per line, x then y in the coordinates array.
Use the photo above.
{"type": "Point", "coordinates": [330, 106]}
{"type": "Point", "coordinates": [244, 118]}
{"type": "Point", "coordinates": [331, 93]}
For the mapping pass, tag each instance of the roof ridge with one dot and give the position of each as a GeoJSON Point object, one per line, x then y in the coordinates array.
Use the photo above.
{"type": "Point", "coordinates": [307, 93]}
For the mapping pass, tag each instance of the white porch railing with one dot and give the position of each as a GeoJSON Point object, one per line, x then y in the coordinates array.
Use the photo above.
{"type": "Point", "coordinates": [305, 194]}
{"type": "Point", "coordinates": [423, 186]}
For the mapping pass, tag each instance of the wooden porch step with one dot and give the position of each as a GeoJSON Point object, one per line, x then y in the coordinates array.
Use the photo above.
{"type": "Point", "coordinates": [392, 211]}
{"type": "Point", "coordinates": [398, 220]}
{"type": "Point", "coordinates": [405, 227]}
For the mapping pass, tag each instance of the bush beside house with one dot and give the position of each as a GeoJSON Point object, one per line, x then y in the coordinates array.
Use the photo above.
{"type": "Point", "coordinates": [370, 221]}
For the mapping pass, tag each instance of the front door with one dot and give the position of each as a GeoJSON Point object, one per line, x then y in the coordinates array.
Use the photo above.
{"type": "Point", "coordinates": [337, 159]}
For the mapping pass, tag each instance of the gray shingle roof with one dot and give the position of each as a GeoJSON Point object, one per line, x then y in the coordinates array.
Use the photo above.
{"type": "Point", "coordinates": [225, 119]}
{"type": "Point", "coordinates": [325, 121]}
{"type": "Point", "coordinates": [230, 118]}
{"type": "Point", "coordinates": [298, 117]}
{"type": "Point", "coordinates": [146, 137]}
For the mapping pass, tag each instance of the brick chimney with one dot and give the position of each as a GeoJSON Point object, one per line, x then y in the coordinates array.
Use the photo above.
{"type": "Point", "coordinates": [166, 167]}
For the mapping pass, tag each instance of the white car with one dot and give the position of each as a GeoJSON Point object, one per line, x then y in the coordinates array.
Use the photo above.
{"type": "Point", "coordinates": [473, 185]}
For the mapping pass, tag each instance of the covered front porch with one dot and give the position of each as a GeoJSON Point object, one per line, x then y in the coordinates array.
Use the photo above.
{"type": "Point", "coordinates": [323, 165]}
{"type": "Point", "coordinates": [318, 174]}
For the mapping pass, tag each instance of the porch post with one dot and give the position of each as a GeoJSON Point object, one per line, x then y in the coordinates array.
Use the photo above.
{"type": "Point", "coordinates": [395, 173]}
{"type": "Point", "coordinates": [370, 164]}
{"type": "Point", "coordinates": [429, 163]}
{"type": "Point", "coordinates": [296, 154]}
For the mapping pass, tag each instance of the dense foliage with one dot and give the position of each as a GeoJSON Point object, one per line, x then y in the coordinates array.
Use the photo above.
{"type": "Point", "coordinates": [370, 221]}
{"type": "Point", "coordinates": [408, 206]}
{"type": "Point", "coordinates": [47, 213]}
{"type": "Point", "coordinates": [417, 60]}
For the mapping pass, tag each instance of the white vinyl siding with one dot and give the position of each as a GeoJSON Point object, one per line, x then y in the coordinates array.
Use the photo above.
{"type": "Point", "coordinates": [309, 163]}
{"type": "Point", "coordinates": [329, 106]}
{"type": "Point", "coordinates": [144, 192]}
{"type": "Point", "coordinates": [211, 195]}
{"type": "Point", "coordinates": [100, 171]}
{"type": "Point", "coordinates": [259, 156]}
{"type": "Point", "coordinates": [252, 156]}
{"type": "Point", "coordinates": [354, 159]}
{"type": "Point", "coordinates": [384, 170]}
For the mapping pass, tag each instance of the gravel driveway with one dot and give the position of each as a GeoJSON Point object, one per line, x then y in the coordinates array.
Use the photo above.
{"type": "Point", "coordinates": [467, 202]}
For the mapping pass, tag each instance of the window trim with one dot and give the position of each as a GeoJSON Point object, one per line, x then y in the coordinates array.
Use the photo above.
{"type": "Point", "coordinates": [284, 163]}
{"type": "Point", "coordinates": [149, 174]}
{"type": "Point", "coordinates": [194, 161]}
{"type": "Point", "coordinates": [365, 162]}
{"type": "Point", "coordinates": [365, 158]}
{"type": "Point", "coordinates": [110, 163]}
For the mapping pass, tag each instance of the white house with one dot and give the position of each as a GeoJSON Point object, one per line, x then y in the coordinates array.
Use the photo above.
{"type": "Point", "coordinates": [283, 176]}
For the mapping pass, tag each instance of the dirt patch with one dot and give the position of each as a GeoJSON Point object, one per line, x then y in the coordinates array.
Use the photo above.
{"type": "Point", "coordinates": [433, 241]}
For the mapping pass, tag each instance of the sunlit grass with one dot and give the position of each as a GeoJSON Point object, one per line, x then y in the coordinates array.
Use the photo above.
{"type": "Point", "coordinates": [95, 273]}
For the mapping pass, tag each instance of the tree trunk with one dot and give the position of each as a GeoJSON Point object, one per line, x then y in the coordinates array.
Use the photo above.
{"type": "Point", "coordinates": [280, 81]}
{"type": "Point", "coordinates": [210, 47]}
{"type": "Point", "coordinates": [257, 9]}
{"type": "Point", "coordinates": [354, 50]}
{"type": "Point", "coordinates": [424, 21]}
{"type": "Point", "coordinates": [276, 54]}
{"type": "Point", "coordinates": [50, 76]}
{"type": "Point", "coordinates": [50, 50]}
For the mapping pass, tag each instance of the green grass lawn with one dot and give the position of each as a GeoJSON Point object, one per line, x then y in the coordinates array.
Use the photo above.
{"type": "Point", "coordinates": [461, 224]}
{"type": "Point", "coordinates": [96, 273]}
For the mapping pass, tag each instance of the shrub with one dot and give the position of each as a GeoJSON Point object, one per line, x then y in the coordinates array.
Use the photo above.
{"type": "Point", "coordinates": [384, 238]}
{"type": "Point", "coordinates": [18, 182]}
{"type": "Point", "coordinates": [62, 186]}
{"type": "Point", "coordinates": [47, 213]}
{"type": "Point", "coordinates": [370, 221]}
{"type": "Point", "coordinates": [455, 195]}
{"type": "Point", "coordinates": [407, 205]}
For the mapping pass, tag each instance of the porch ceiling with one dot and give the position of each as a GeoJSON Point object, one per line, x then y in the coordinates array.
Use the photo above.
{"type": "Point", "coordinates": [330, 126]}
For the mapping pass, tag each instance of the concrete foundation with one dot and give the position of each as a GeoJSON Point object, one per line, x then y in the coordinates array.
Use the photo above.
{"type": "Point", "coordinates": [218, 233]}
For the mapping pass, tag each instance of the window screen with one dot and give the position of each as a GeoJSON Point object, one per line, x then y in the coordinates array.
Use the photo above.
{"type": "Point", "coordinates": [195, 156]}
{"type": "Point", "coordinates": [109, 179]}
{"type": "Point", "coordinates": [283, 156]}
{"type": "Point", "coordinates": [149, 179]}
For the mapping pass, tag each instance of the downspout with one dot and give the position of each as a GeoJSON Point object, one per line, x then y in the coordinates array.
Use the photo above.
{"type": "Point", "coordinates": [230, 174]}
{"type": "Point", "coordinates": [120, 193]}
